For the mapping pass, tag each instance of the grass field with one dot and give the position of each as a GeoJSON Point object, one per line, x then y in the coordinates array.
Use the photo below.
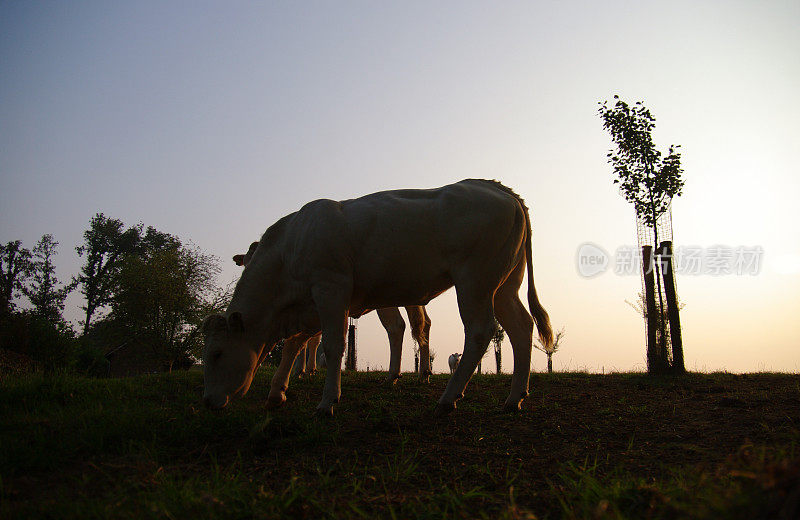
{"type": "Point", "coordinates": [584, 446]}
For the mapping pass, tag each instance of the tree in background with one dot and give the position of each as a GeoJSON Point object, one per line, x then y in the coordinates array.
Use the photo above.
{"type": "Point", "coordinates": [106, 243]}
{"type": "Point", "coordinates": [498, 334]}
{"type": "Point", "coordinates": [648, 181]}
{"type": "Point", "coordinates": [163, 293]}
{"type": "Point", "coordinates": [552, 350]}
{"type": "Point", "coordinates": [157, 291]}
{"type": "Point", "coordinates": [40, 333]}
{"type": "Point", "coordinates": [15, 266]}
{"type": "Point", "coordinates": [155, 240]}
{"type": "Point", "coordinates": [44, 292]}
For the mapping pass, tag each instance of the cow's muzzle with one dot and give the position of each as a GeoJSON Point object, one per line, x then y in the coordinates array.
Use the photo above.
{"type": "Point", "coordinates": [215, 402]}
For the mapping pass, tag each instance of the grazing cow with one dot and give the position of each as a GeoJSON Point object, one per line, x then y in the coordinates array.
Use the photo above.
{"type": "Point", "coordinates": [330, 260]}
{"type": "Point", "coordinates": [391, 320]}
{"type": "Point", "coordinates": [453, 362]}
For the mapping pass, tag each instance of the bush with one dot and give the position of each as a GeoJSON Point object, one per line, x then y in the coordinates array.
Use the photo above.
{"type": "Point", "coordinates": [51, 345]}
{"type": "Point", "coordinates": [91, 361]}
{"type": "Point", "coordinates": [14, 333]}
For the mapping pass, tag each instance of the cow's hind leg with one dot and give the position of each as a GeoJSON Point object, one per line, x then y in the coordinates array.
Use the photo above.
{"type": "Point", "coordinates": [331, 302]}
{"type": "Point", "coordinates": [518, 324]}
{"type": "Point", "coordinates": [395, 327]}
{"type": "Point", "coordinates": [421, 332]}
{"type": "Point", "coordinates": [478, 318]}
{"type": "Point", "coordinates": [280, 380]}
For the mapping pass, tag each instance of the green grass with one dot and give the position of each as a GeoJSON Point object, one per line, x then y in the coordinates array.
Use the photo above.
{"type": "Point", "coordinates": [584, 446]}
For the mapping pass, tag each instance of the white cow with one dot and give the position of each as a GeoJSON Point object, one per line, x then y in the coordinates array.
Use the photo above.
{"type": "Point", "coordinates": [453, 362]}
{"type": "Point", "coordinates": [330, 260]}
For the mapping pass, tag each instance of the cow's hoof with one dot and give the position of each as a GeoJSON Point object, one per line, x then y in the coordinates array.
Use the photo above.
{"type": "Point", "coordinates": [512, 406]}
{"type": "Point", "coordinates": [325, 412]}
{"type": "Point", "coordinates": [443, 409]}
{"type": "Point", "coordinates": [276, 401]}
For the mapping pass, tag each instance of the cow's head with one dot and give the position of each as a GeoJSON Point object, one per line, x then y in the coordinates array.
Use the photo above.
{"type": "Point", "coordinates": [229, 359]}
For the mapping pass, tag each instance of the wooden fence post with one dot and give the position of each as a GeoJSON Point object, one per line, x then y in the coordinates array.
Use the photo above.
{"type": "Point", "coordinates": [673, 310]}
{"type": "Point", "coordinates": [350, 360]}
{"type": "Point", "coordinates": [654, 361]}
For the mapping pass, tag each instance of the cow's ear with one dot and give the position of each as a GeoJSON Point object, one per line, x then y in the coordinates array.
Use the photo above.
{"type": "Point", "coordinates": [238, 259]}
{"type": "Point", "coordinates": [214, 323]}
{"type": "Point", "coordinates": [235, 322]}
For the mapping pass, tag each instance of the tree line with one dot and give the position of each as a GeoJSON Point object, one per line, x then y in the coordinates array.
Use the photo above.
{"type": "Point", "coordinates": [141, 288]}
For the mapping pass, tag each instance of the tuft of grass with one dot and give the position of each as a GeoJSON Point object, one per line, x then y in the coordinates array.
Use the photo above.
{"type": "Point", "coordinates": [756, 483]}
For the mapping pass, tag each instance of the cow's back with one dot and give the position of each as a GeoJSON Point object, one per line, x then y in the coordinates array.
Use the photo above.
{"type": "Point", "coordinates": [408, 245]}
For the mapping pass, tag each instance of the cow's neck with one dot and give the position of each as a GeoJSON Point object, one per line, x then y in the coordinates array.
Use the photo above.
{"type": "Point", "coordinates": [256, 297]}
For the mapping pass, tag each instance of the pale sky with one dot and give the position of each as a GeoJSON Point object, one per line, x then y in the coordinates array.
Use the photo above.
{"type": "Point", "coordinates": [211, 120]}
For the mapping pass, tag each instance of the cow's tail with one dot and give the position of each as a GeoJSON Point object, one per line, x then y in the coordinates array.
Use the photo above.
{"type": "Point", "coordinates": [540, 316]}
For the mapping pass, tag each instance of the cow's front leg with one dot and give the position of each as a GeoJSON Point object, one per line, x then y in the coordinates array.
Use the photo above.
{"type": "Point", "coordinates": [332, 303]}
{"type": "Point", "coordinates": [263, 353]}
{"type": "Point", "coordinates": [280, 380]}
